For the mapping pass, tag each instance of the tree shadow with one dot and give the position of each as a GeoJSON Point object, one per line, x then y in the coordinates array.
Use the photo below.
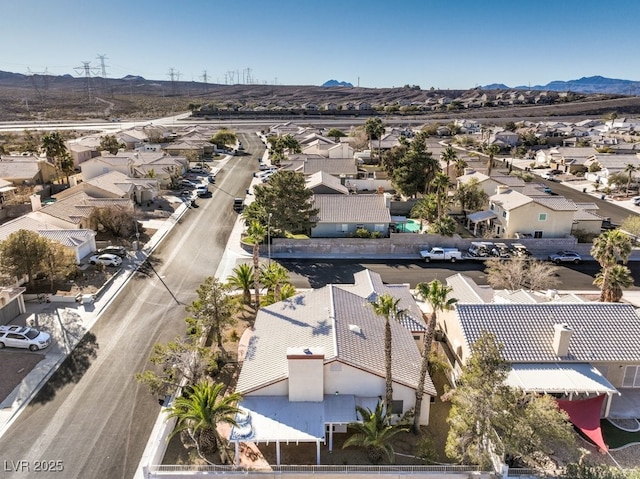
{"type": "Point", "coordinates": [147, 268]}
{"type": "Point", "coordinates": [71, 370]}
{"type": "Point", "coordinates": [320, 273]}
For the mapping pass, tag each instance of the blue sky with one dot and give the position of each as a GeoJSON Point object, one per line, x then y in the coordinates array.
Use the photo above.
{"type": "Point", "coordinates": [444, 44]}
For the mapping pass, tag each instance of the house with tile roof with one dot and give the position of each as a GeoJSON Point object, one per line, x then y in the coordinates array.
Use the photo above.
{"type": "Point", "coordinates": [114, 184]}
{"type": "Point", "coordinates": [26, 170]}
{"type": "Point", "coordinates": [73, 212]}
{"type": "Point", "coordinates": [521, 216]}
{"type": "Point", "coordinates": [568, 349]}
{"type": "Point", "coordinates": [322, 183]}
{"type": "Point", "coordinates": [313, 358]}
{"type": "Point", "coordinates": [339, 216]}
{"type": "Point", "coordinates": [81, 241]}
{"type": "Point", "coordinates": [310, 164]}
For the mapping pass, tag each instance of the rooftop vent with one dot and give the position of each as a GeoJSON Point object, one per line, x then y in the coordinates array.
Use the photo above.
{"type": "Point", "coordinates": [355, 328]}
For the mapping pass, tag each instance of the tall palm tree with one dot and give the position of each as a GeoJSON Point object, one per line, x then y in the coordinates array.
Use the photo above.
{"type": "Point", "coordinates": [436, 294]}
{"type": "Point", "coordinates": [386, 306]}
{"type": "Point", "coordinates": [459, 165]}
{"type": "Point", "coordinates": [200, 410]}
{"type": "Point", "coordinates": [629, 170]}
{"type": "Point", "coordinates": [375, 129]}
{"type": "Point", "coordinates": [256, 233]}
{"type": "Point", "coordinates": [273, 277]}
{"type": "Point", "coordinates": [490, 150]}
{"type": "Point", "coordinates": [608, 248]}
{"type": "Point", "coordinates": [242, 279]}
{"type": "Point", "coordinates": [56, 152]}
{"type": "Point", "coordinates": [374, 433]}
{"type": "Point", "coordinates": [441, 183]}
{"type": "Point", "coordinates": [618, 277]}
{"type": "Point", "coordinates": [449, 155]}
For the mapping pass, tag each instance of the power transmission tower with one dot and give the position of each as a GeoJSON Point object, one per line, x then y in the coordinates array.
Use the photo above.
{"type": "Point", "coordinates": [103, 70]}
{"type": "Point", "coordinates": [173, 76]}
{"type": "Point", "coordinates": [103, 66]}
{"type": "Point", "coordinates": [204, 79]}
{"type": "Point", "coordinates": [40, 83]}
{"type": "Point", "coordinates": [88, 73]}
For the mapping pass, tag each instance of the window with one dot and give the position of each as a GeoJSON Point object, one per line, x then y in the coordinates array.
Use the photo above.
{"type": "Point", "coordinates": [397, 407]}
{"type": "Point", "coordinates": [342, 228]}
{"type": "Point", "coordinates": [537, 234]}
{"type": "Point", "coordinates": [631, 377]}
{"type": "Point", "coordinates": [542, 217]}
{"type": "Point", "coordinates": [378, 227]}
{"type": "Point", "coordinates": [504, 214]}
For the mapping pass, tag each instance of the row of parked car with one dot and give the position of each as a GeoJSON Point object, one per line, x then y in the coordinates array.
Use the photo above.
{"type": "Point", "coordinates": [487, 249]}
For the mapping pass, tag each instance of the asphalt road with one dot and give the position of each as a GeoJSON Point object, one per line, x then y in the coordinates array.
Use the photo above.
{"type": "Point", "coordinates": [606, 208]}
{"type": "Point", "coordinates": [92, 415]}
{"type": "Point", "coordinates": [317, 273]}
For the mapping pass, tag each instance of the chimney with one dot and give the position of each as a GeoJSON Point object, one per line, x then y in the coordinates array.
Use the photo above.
{"type": "Point", "coordinates": [561, 338]}
{"type": "Point", "coordinates": [306, 374]}
{"type": "Point", "coordinates": [36, 204]}
{"type": "Point", "coordinates": [500, 189]}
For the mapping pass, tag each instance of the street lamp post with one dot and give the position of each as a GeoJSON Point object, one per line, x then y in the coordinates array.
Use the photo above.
{"type": "Point", "coordinates": [269, 239]}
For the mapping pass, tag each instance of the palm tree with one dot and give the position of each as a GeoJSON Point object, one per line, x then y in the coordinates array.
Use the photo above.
{"type": "Point", "coordinates": [374, 433]}
{"type": "Point", "coordinates": [242, 279]}
{"type": "Point", "coordinates": [436, 294]}
{"type": "Point", "coordinates": [449, 155]}
{"type": "Point", "coordinates": [441, 183]}
{"type": "Point", "coordinates": [618, 277]}
{"type": "Point", "coordinates": [608, 248]}
{"type": "Point", "coordinates": [256, 233]}
{"type": "Point", "coordinates": [629, 169]}
{"type": "Point", "coordinates": [459, 165]}
{"type": "Point", "coordinates": [273, 277]}
{"type": "Point", "coordinates": [490, 150]}
{"type": "Point", "coordinates": [387, 307]}
{"type": "Point", "coordinates": [375, 129]}
{"type": "Point", "coordinates": [56, 152]}
{"type": "Point", "coordinates": [198, 412]}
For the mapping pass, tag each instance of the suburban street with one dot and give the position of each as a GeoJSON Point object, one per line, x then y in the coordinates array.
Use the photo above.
{"type": "Point", "coordinates": [92, 415]}
{"type": "Point", "coordinates": [314, 273]}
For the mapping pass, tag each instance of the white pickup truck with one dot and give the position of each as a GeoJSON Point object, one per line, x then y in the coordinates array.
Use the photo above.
{"type": "Point", "coordinates": [441, 254]}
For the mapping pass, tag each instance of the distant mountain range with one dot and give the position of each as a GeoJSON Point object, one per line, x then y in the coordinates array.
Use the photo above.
{"type": "Point", "coordinates": [595, 84]}
{"type": "Point", "coordinates": [336, 83]}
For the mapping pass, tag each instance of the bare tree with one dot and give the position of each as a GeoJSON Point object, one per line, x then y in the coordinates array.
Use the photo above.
{"type": "Point", "coordinates": [520, 273]}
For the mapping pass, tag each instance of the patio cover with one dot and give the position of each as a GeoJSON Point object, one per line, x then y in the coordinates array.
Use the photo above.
{"type": "Point", "coordinates": [481, 216]}
{"type": "Point", "coordinates": [560, 378]}
{"type": "Point", "coordinates": [275, 418]}
{"type": "Point", "coordinates": [585, 415]}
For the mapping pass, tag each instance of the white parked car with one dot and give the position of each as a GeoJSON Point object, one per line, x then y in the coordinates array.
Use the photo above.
{"type": "Point", "coordinates": [23, 337]}
{"type": "Point", "coordinates": [106, 259]}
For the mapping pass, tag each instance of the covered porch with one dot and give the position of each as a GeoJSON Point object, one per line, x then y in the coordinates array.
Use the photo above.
{"type": "Point", "coordinates": [275, 419]}
{"type": "Point", "coordinates": [480, 222]}
{"type": "Point", "coordinates": [564, 381]}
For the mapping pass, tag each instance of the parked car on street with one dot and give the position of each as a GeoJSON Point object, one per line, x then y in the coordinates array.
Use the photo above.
{"type": "Point", "coordinates": [106, 259]}
{"type": "Point", "coordinates": [23, 337]}
{"type": "Point", "coordinates": [204, 194]}
{"type": "Point", "coordinates": [117, 250]}
{"type": "Point", "coordinates": [438, 253]}
{"type": "Point", "coordinates": [565, 257]}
